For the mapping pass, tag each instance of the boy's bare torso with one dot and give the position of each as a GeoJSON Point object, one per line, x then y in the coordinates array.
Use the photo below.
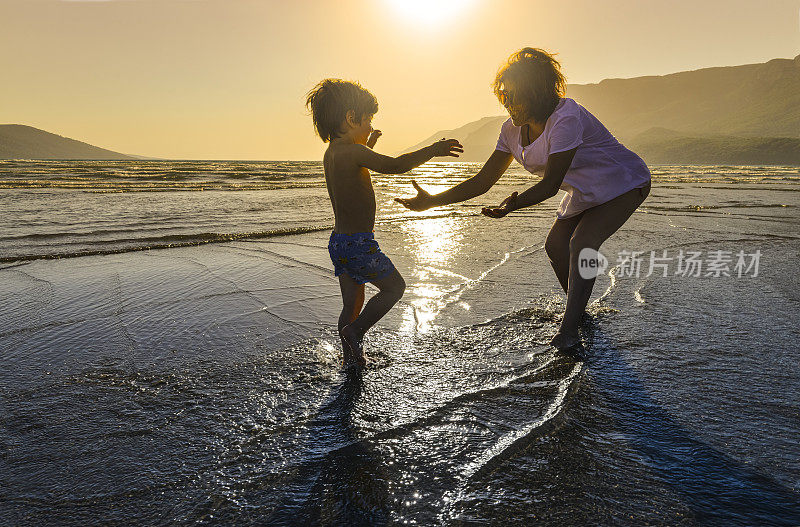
{"type": "Point", "coordinates": [350, 190]}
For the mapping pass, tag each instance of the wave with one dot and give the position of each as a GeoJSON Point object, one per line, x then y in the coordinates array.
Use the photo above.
{"type": "Point", "coordinates": [161, 185]}
{"type": "Point", "coordinates": [167, 242]}
{"type": "Point", "coordinates": [166, 176]}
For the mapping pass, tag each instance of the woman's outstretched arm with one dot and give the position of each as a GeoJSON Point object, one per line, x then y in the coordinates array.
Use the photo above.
{"type": "Point", "coordinates": [554, 172]}
{"type": "Point", "coordinates": [478, 184]}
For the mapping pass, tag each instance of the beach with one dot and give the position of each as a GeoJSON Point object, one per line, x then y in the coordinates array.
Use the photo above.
{"type": "Point", "coordinates": [172, 357]}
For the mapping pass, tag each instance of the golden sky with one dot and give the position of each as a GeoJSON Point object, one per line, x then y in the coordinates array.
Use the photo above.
{"type": "Point", "coordinates": [226, 79]}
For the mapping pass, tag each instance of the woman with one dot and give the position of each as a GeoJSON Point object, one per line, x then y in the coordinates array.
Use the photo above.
{"type": "Point", "coordinates": [605, 182]}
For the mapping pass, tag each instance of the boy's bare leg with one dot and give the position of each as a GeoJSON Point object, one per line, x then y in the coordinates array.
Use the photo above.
{"type": "Point", "coordinates": [390, 291]}
{"type": "Point", "coordinates": [352, 301]}
{"type": "Point", "coordinates": [594, 228]}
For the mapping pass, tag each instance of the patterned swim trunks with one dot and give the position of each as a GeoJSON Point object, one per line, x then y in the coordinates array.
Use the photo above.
{"type": "Point", "coordinates": [359, 256]}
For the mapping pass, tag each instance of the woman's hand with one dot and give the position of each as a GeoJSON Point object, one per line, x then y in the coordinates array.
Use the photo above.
{"type": "Point", "coordinates": [508, 205]}
{"type": "Point", "coordinates": [422, 201]}
{"type": "Point", "coordinates": [373, 138]}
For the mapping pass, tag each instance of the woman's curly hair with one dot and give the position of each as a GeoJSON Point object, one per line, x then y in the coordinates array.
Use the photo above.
{"type": "Point", "coordinates": [531, 78]}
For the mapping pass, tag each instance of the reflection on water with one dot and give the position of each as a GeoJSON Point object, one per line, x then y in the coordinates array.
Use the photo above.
{"type": "Point", "coordinates": [433, 244]}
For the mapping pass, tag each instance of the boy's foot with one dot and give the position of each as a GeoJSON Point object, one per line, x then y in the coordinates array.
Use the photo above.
{"type": "Point", "coordinates": [352, 344]}
{"type": "Point", "coordinates": [348, 359]}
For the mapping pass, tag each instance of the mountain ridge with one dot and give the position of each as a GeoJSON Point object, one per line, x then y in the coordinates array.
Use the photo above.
{"type": "Point", "coordinates": [758, 101]}
{"type": "Point", "coordinates": [20, 141]}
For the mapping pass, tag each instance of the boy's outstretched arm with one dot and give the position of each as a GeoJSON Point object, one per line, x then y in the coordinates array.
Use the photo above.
{"type": "Point", "coordinates": [367, 158]}
{"type": "Point", "coordinates": [478, 184]}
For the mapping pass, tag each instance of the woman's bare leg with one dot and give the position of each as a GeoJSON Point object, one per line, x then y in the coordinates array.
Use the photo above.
{"type": "Point", "coordinates": [595, 227]}
{"type": "Point", "coordinates": [557, 247]}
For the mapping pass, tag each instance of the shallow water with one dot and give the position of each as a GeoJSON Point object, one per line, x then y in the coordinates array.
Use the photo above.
{"type": "Point", "coordinates": [74, 208]}
{"type": "Point", "coordinates": [201, 385]}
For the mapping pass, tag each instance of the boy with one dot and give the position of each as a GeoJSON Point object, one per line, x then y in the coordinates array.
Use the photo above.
{"type": "Point", "coordinates": [342, 112]}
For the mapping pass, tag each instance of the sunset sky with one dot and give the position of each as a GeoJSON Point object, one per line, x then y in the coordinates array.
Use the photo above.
{"type": "Point", "coordinates": [226, 79]}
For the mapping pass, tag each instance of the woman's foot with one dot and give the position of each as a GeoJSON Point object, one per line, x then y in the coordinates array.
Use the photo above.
{"type": "Point", "coordinates": [569, 344]}
{"type": "Point", "coordinates": [565, 340]}
{"type": "Point", "coordinates": [353, 350]}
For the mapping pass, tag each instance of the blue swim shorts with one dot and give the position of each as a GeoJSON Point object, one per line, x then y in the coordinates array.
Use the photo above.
{"type": "Point", "coordinates": [359, 256]}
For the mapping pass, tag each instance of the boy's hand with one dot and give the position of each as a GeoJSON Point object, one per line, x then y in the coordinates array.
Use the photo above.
{"type": "Point", "coordinates": [422, 201]}
{"type": "Point", "coordinates": [373, 138]}
{"type": "Point", "coordinates": [508, 205]}
{"type": "Point", "coordinates": [447, 148]}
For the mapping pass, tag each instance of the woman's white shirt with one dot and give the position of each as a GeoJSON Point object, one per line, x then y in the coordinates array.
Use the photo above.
{"type": "Point", "coordinates": [602, 168]}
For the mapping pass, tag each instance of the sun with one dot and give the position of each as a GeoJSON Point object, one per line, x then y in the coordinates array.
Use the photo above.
{"type": "Point", "coordinates": [430, 12]}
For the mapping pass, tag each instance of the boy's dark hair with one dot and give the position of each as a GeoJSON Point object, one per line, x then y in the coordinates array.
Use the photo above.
{"type": "Point", "coordinates": [331, 99]}
{"type": "Point", "coordinates": [533, 78]}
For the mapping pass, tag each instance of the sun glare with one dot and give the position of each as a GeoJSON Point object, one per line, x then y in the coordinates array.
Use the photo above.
{"type": "Point", "coordinates": [431, 12]}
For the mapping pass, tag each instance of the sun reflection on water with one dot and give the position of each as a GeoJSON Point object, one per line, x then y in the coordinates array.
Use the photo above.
{"type": "Point", "coordinates": [433, 243]}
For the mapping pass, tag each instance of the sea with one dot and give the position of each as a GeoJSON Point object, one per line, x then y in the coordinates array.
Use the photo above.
{"type": "Point", "coordinates": [168, 354]}
{"type": "Point", "coordinates": [55, 209]}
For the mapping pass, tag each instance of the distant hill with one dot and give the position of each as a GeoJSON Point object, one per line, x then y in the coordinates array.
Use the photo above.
{"type": "Point", "coordinates": [662, 146]}
{"type": "Point", "coordinates": [18, 141]}
{"type": "Point", "coordinates": [753, 111]}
